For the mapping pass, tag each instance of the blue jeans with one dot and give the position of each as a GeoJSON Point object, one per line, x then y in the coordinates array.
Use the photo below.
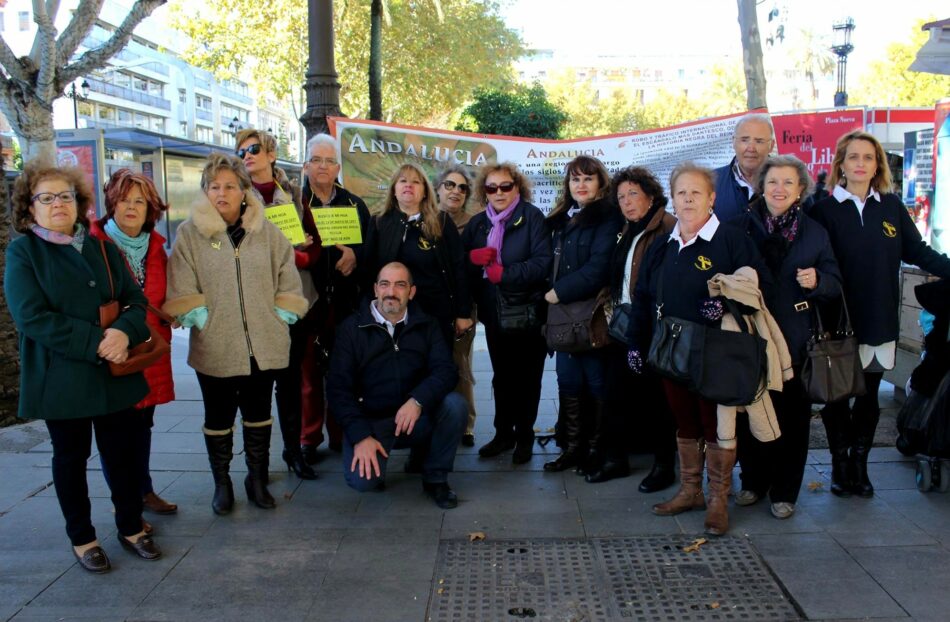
{"type": "Point", "coordinates": [438, 435]}
{"type": "Point", "coordinates": [582, 371]}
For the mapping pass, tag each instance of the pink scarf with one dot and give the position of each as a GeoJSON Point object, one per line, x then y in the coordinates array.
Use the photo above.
{"type": "Point", "coordinates": [496, 237]}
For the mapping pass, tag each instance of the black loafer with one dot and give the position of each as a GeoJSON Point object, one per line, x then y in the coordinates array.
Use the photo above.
{"type": "Point", "coordinates": [659, 478]}
{"type": "Point", "coordinates": [496, 446]}
{"type": "Point", "coordinates": [523, 452]}
{"type": "Point", "coordinates": [443, 496]}
{"type": "Point", "coordinates": [94, 560]}
{"type": "Point", "coordinates": [144, 548]}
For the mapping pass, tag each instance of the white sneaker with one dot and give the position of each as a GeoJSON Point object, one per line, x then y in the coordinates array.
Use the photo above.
{"type": "Point", "coordinates": [783, 509]}
{"type": "Point", "coordinates": [746, 497]}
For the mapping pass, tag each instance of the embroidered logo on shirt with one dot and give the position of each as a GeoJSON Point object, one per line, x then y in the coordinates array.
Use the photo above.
{"type": "Point", "coordinates": [703, 263]}
{"type": "Point", "coordinates": [517, 222]}
{"type": "Point", "coordinates": [216, 245]}
{"type": "Point", "coordinates": [890, 230]}
{"type": "Point", "coordinates": [424, 244]}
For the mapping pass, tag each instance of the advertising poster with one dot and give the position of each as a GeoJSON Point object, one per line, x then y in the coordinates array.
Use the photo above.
{"type": "Point", "coordinates": [82, 155]}
{"type": "Point", "coordinates": [371, 151]}
{"type": "Point", "coordinates": [812, 136]}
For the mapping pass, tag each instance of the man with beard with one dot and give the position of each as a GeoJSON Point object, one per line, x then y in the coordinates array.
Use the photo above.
{"type": "Point", "coordinates": [390, 386]}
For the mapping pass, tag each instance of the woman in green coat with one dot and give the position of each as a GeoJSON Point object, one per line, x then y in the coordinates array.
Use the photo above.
{"type": "Point", "coordinates": [56, 279]}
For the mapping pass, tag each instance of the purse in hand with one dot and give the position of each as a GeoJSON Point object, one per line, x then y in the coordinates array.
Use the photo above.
{"type": "Point", "coordinates": [578, 326]}
{"type": "Point", "coordinates": [832, 370]}
{"type": "Point", "coordinates": [146, 353]}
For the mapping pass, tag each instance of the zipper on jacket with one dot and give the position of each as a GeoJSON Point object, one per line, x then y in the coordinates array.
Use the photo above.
{"type": "Point", "coordinates": [237, 266]}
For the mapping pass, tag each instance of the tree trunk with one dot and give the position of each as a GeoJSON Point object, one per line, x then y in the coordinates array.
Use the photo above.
{"type": "Point", "coordinates": [752, 54]}
{"type": "Point", "coordinates": [376, 61]}
{"type": "Point", "coordinates": [9, 353]}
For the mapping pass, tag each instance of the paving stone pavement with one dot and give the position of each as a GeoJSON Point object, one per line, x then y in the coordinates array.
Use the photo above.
{"type": "Point", "coordinates": [328, 553]}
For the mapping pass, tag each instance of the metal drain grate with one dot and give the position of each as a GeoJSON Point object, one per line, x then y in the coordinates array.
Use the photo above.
{"type": "Point", "coordinates": [644, 578]}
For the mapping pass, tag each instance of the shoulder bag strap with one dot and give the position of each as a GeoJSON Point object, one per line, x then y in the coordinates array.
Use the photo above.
{"type": "Point", "coordinates": [105, 258]}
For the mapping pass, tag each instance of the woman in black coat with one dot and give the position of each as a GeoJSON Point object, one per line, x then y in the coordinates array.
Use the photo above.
{"type": "Point", "coordinates": [584, 226]}
{"type": "Point", "coordinates": [509, 259]}
{"type": "Point", "coordinates": [871, 234]}
{"type": "Point", "coordinates": [798, 254]}
{"type": "Point", "coordinates": [412, 231]}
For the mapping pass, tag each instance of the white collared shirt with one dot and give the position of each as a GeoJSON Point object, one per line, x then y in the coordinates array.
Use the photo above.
{"type": "Point", "coordinates": [706, 232]}
{"type": "Point", "coordinates": [381, 319]}
{"type": "Point", "coordinates": [737, 173]}
{"type": "Point", "coordinates": [842, 195]}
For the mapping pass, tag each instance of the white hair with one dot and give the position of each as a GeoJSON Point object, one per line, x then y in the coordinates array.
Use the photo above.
{"type": "Point", "coordinates": [319, 139]}
{"type": "Point", "coordinates": [758, 117]}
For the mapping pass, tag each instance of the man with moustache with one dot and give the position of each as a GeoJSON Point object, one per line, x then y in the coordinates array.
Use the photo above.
{"type": "Point", "coordinates": [340, 275]}
{"type": "Point", "coordinates": [753, 141]}
{"type": "Point", "coordinates": [390, 386]}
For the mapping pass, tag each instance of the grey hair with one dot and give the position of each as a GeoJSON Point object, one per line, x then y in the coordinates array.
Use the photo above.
{"type": "Point", "coordinates": [319, 139]}
{"type": "Point", "coordinates": [758, 117]}
{"type": "Point", "coordinates": [218, 162]}
{"type": "Point", "coordinates": [458, 169]}
{"type": "Point", "coordinates": [804, 179]}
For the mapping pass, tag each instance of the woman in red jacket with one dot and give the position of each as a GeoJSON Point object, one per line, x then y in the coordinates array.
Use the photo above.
{"type": "Point", "coordinates": [133, 206]}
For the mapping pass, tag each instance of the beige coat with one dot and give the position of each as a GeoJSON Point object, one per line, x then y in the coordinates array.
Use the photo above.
{"type": "Point", "coordinates": [743, 287]}
{"type": "Point", "coordinates": [239, 286]}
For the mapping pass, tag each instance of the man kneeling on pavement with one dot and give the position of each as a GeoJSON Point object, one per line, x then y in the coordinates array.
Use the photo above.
{"type": "Point", "coordinates": [390, 386]}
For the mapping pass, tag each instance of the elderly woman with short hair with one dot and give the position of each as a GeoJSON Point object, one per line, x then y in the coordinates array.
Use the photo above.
{"type": "Point", "coordinates": [798, 254]}
{"type": "Point", "coordinates": [56, 279]}
{"type": "Point", "coordinates": [133, 207]}
{"type": "Point", "coordinates": [232, 280]}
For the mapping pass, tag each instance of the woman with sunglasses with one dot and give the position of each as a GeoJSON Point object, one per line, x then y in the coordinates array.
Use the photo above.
{"type": "Point", "coordinates": [258, 150]}
{"type": "Point", "coordinates": [453, 189]}
{"type": "Point", "coordinates": [509, 257]}
{"type": "Point", "coordinates": [412, 231]}
{"type": "Point", "coordinates": [585, 226]}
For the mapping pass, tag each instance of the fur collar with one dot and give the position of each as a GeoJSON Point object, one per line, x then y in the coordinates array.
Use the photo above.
{"type": "Point", "coordinates": [209, 223]}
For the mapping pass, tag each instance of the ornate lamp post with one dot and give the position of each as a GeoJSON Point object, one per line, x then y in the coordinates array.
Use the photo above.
{"type": "Point", "coordinates": [76, 97]}
{"type": "Point", "coordinates": [322, 85]}
{"type": "Point", "coordinates": [842, 47]}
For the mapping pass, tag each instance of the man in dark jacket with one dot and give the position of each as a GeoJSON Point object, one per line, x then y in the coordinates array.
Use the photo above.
{"type": "Point", "coordinates": [753, 141]}
{"type": "Point", "coordinates": [390, 386]}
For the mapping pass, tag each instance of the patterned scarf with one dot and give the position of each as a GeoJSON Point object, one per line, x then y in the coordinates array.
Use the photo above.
{"type": "Point", "coordinates": [55, 237]}
{"type": "Point", "coordinates": [785, 225]}
{"type": "Point", "coordinates": [134, 249]}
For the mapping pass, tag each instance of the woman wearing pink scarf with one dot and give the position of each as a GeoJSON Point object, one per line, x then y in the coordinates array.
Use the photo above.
{"type": "Point", "coordinates": [509, 259]}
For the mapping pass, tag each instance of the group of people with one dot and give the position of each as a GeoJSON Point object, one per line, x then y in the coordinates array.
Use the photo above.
{"type": "Point", "coordinates": [373, 340]}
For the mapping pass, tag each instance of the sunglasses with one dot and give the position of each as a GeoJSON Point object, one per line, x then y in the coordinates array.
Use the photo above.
{"type": "Point", "coordinates": [251, 149]}
{"type": "Point", "coordinates": [451, 185]}
{"type": "Point", "coordinates": [508, 186]}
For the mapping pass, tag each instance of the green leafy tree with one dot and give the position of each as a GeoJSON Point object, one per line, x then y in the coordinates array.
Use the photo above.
{"type": "Point", "coordinates": [431, 60]}
{"type": "Point", "coordinates": [889, 82]}
{"type": "Point", "coordinates": [521, 111]}
{"type": "Point", "coordinates": [589, 114]}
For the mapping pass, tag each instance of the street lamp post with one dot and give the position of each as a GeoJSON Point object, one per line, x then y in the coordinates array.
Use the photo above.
{"type": "Point", "coordinates": [322, 85]}
{"type": "Point", "coordinates": [842, 47]}
{"type": "Point", "coordinates": [75, 96]}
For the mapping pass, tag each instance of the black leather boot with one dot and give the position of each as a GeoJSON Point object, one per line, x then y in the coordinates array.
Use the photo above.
{"type": "Point", "coordinates": [592, 429]}
{"type": "Point", "coordinates": [837, 427]}
{"type": "Point", "coordinates": [257, 457]}
{"type": "Point", "coordinates": [220, 447]}
{"type": "Point", "coordinates": [866, 417]}
{"type": "Point", "coordinates": [661, 476]}
{"type": "Point", "coordinates": [293, 456]}
{"type": "Point", "coordinates": [569, 419]}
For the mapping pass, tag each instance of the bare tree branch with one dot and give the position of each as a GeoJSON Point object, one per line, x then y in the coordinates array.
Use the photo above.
{"type": "Point", "coordinates": [83, 19]}
{"type": "Point", "coordinates": [93, 59]}
{"type": "Point", "coordinates": [51, 8]}
{"type": "Point", "coordinates": [11, 64]}
{"type": "Point", "coordinates": [44, 52]}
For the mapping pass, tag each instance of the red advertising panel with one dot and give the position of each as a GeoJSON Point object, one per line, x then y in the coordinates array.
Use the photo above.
{"type": "Point", "coordinates": [812, 136]}
{"type": "Point", "coordinates": [82, 155]}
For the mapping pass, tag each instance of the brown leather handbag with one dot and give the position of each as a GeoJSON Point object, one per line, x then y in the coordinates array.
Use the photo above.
{"type": "Point", "coordinates": [146, 353]}
{"type": "Point", "coordinates": [578, 326]}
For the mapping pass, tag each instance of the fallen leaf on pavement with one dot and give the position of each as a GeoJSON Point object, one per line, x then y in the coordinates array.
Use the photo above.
{"type": "Point", "coordinates": [692, 548]}
{"type": "Point", "coordinates": [713, 605]}
{"type": "Point", "coordinates": [815, 486]}
{"type": "Point", "coordinates": [476, 535]}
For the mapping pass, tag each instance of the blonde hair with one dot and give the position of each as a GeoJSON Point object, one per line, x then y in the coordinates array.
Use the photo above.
{"type": "Point", "coordinates": [882, 177]}
{"type": "Point", "coordinates": [431, 222]}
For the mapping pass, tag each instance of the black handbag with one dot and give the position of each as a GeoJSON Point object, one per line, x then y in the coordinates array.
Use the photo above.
{"type": "Point", "coordinates": [619, 326]}
{"type": "Point", "coordinates": [518, 312]}
{"type": "Point", "coordinates": [578, 326]}
{"type": "Point", "coordinates": [832, 370]}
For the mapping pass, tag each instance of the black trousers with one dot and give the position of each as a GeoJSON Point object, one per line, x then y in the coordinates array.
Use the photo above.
{"type": "Point", "coordinates": [777, 467]}
{"type": "Point", "coordinates": [517, 362]}
{"type": "Point", "coordinates": [288, 382]}
{"type": "Point", "coordinates": [637, 406]}
{"type": "Point", "coordinates": [142, 440]}
{"type": "Point", "coordinates": [72, 446]}
{"type": "Point", "coordinates": [224, 396]}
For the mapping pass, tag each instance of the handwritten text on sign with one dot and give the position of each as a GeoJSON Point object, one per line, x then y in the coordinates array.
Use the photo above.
{"type": "Point", "coordinates": [338, 225]}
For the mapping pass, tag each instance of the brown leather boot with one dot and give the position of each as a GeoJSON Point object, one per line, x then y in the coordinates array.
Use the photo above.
{"type": "Point", "coordinates": [719, 462]}
{"type": "Point", "coordinates": [690, 494]}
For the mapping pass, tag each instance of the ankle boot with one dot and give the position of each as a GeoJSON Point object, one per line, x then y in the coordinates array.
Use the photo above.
{"type": "Point", "coordinates": [257, 457]}
{"type": "Point", "coordinates": [837, 427]}
{"type": "Point", "coordinates": [690, 494]}
{"type": "Point", "coordinates": [614, 466]}
{"type": "Point", "coordinates": [719, 464]}
{"type": "Point", "coordinates": [293, 456]}
{"type": "Point", "coordinates": [662, 475]}
{"type": "Point", "coordinates": [866, 426]}
{"type": "Point", "coordinates": [220, 446]}
{"type": "Point", "coordinates": [569, 421]}
{"type": "Point", "coordinates": [596, 452]}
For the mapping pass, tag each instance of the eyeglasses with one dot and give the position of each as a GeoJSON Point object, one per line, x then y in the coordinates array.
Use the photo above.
{"type": "Point", "coordinates": [508, 186]}
{"type": "Point", "coordinates": [318, 161]}
{"type": "Point", "coordinates": [451, 185]}
{"type": "Point", "coordinates": [401, 285]}
{"type": "Point", "coordinates": [47, 198]}
{"type": "Point", "coordinates": [250, 149]}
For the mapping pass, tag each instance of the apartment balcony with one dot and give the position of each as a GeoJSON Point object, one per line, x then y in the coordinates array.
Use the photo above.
{"type": "Point", "coordinates": [121, 92]}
